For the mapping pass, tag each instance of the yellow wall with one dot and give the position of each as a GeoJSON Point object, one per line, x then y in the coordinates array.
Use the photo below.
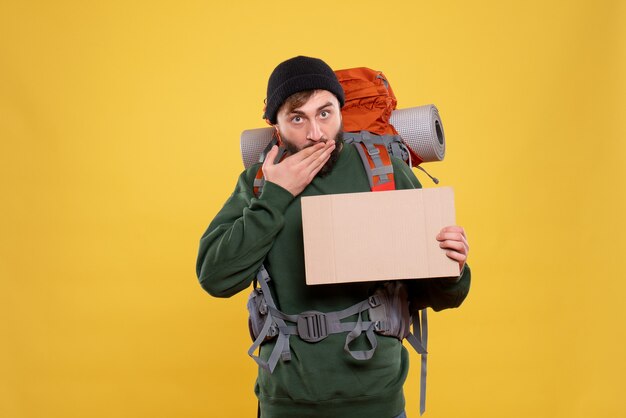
{"type": "Point", "coordinates": [119, 126]}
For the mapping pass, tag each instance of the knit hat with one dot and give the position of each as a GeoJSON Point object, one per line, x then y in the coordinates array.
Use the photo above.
{"type": "Point", "coordinates": [299, 74]}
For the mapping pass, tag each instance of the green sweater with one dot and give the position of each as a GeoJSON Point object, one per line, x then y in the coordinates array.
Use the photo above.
{"type": "Point", "coordinates": [321, 380]}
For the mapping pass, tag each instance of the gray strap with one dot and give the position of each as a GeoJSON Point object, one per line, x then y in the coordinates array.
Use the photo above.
{"type": "Point", "coordinates": [326, 323]}
{"type": "Point", "coordinates": [263, 278]}
{"type": "Point", "coordinates": [267, 149]}
{"type": "Point", "coordinates": [382, 171]}
{"type": "Point", "coordinates": [387, 140]}
{"type": "Point", "coordinates": [364, 354]}
{"type": "Point", "coordinates": [282, 344]}
{"type": "Point", "coordinates": [395, 149]}
{"type": "Point", "coordinates": [333, 319]}
{"type": "Point", "coordinates": [351, 137]}
{"type": "Point", "coordinates": [355, 333]}
{"type": "Point", "coordinates": [424, 358]}
{"type": "Point", "coordinates": [394, 143]}
{"type": "Point", "coordinates": [281, 151]}
{"type": "Point", "coordinates": [332, 325]}
{"type": "Point", "coordinates": [399, 149]}
{"type": "Point", "coordinates": [337, 329]}
{"type": "Point", "coordinates": [357, 308]}
{"type": "Point", "coordinates": [278, 314]}
{"type": "Point", "coordinates": [337, 315]}
{"type": "Point", "coordinates": [259, 183]}
{"type": "Point", "coordinates": [366, 164]}
{"type": "Point", "coordinates": [373, 152]}
{"type": "Point", "coordinates": [257, 343]}
{"type": "Point", "coordinates": [419, 340]}
{"type": "Point", "coordinates": [369, 140]}
{"type": "Point", "coordinates": [281, 349]}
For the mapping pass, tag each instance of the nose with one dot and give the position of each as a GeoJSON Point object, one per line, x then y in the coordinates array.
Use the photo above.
{"type": "Point", "coordinates": [315, 131]}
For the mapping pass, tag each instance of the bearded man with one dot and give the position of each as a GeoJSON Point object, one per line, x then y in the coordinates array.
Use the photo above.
{"type": "Point", "coordinates": [321, 379]}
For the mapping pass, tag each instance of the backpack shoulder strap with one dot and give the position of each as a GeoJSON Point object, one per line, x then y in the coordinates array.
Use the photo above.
{"type": "Point", "coordinates": [376, 151]}
{"type": "Point", "coordinates": [259, 179]}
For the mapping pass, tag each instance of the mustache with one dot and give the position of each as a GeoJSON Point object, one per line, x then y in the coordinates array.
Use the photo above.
{"type": "Point", "coordinates": [294, 149]}
{"type": "Point", "coordinates": [334, 156]}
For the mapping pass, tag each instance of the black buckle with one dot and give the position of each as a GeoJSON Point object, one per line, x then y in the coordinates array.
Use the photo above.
{"type": "Point", "coordinates": [380, 326]}
{"type": "Point", "coordinates": [374, 301]}
{"type": "Point", "coordinates": [312, 326]}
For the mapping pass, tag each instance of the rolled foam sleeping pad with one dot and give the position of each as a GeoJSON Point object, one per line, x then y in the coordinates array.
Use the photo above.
{"type": "Point", "coordinates": [420, 127]}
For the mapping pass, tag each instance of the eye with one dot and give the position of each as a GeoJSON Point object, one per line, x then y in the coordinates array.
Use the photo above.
{"type": "Point", "coordinates": [324, 114]}
{"type": "Point", "coordinates": [296, 119]}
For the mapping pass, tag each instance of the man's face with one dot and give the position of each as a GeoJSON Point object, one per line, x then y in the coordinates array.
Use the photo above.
{"type": "Point", "coordinates": [317, 120]}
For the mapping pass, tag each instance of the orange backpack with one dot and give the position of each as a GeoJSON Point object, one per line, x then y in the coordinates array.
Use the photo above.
{"type": "Point", "coordinates": [367, 112]}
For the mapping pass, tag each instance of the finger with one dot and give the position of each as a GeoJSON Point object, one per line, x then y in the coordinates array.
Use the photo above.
{"type": "Point", "coordinates": [453, 236]}
{"type": "Point", "coordinates": [460, 258]}
{"type": "Point", "coordinates": [454, 245]}
{"type": "Point", "coordinates": [454, 228]}
{"type": "Point", "coordinates": [317, 164]}
{"type": "Point", "coordinates": [320, 157]}
{"type": "Point", "coordinates": [314, 162]}
{"type": "Point", "coordinates": [323, 147]}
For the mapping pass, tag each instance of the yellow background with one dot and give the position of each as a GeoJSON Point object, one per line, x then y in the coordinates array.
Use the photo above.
{"type": "Point", "coordinates": [119, 125]}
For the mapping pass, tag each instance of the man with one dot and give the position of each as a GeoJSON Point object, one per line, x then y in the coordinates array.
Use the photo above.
{"type": "Point", "coordinates": [303, 103]}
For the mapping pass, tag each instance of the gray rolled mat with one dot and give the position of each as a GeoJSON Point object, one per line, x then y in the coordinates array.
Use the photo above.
{"type": "Point", "coordinates": [422, 130]}
{"type": "Point", "coordinates": [253, 143]}
{"type": "Point", "coordinates": [420, 127]}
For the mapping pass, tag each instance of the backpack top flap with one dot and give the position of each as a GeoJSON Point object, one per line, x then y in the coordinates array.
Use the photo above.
{"type": "Point", "coordinates": [369, 101]}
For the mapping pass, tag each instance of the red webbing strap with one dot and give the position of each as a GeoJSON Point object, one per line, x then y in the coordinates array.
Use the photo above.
{"type": "Point", "coordinates": [384, 187]}
{"type": "Point", "coordinates": [378, 184]}
{"type": "Point", "coordinates": [258, 182]}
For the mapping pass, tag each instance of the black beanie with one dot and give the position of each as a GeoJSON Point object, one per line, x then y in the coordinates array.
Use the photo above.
{"type": "Point", "coordinates": [299, 74]}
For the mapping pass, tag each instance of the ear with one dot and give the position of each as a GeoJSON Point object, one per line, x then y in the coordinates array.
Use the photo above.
{"type": "Point", "coordinates": [277, 135]}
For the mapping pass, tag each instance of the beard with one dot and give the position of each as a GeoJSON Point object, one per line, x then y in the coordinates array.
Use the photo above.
{"type": "Point", "coordinates": [334, 155]}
